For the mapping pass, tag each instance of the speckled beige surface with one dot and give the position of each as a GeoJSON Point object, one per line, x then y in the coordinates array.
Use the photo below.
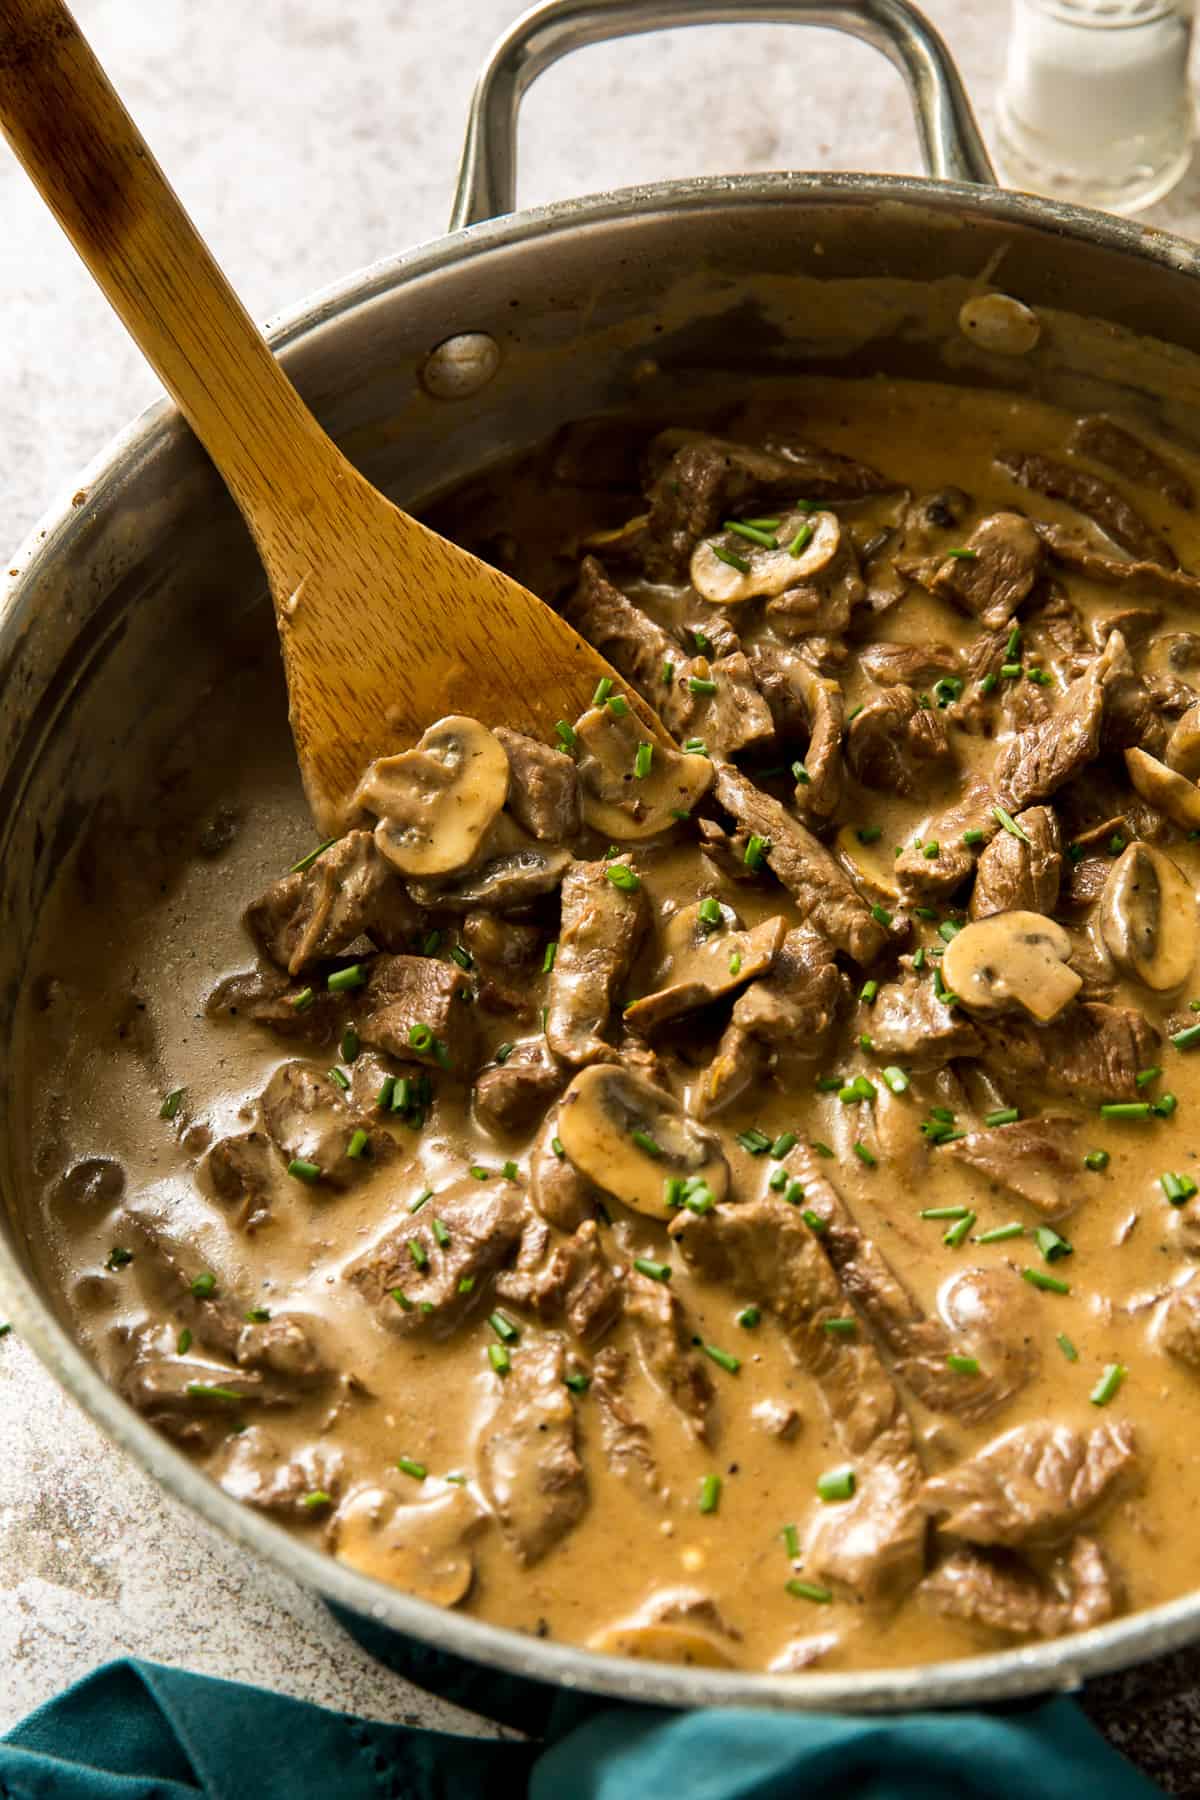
{"type": "Point", "coordinates": [307, 139]}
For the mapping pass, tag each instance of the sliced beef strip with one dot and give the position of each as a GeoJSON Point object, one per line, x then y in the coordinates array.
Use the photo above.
{"type": "Point", "coordinates": [783, 1019]}
{"type": "Point", "coordinates": [602, 928]}
{"type": "Point", "coordinates": [822, 892]}
{"type": "Point", "coordinates": [543, 787]}
{"type": "Point", "coordinates": [625, 1439]}
{"type": "Point", "coordinates": [513, 1095]}
{"type": "Point", "coordinates": [267, 998]}
{"type": "Point", "coordinates": [819, 788]}
{"type": "Point", "coordinates": [1145, 578]}
{"type": "Point", "coordinates": [1034, 1485]}
{"type": "Point", "coordinates": [567, 1280]}
{"type": "Point", "coordinates": [1178, 1331]}
{"type": "Point", "coordinates": [405, 992]}
{"type": "Point", "coordinates": [193, 1400]}
{"type": "Point", "coordinates": [1020, 874]}
{"type": "Point", "coordinates": [351, 891]}
{"type": "Point", "coordinates": [894, 743]}
{"type": "Point", "coordinates": [920, 877]}
{"type": "Point", "coordinates": [512, 871]}
{"type": "Point", "coordinates": [529, 1468]}
{"type": "Point", "coordinates": [1038, 1161]}
{"type": "Point", "coordinates": [1094, 498]}
{"type": "Point", "coordinates": [1090, 1053]}
{"type": "Point", "coordinates": [309, 1120]}
{"type": "Point", "coordinates": [257, 1470]}
{"type": "Point", "coordinates": [909, 1023]}
{"type": "Point", "coordinates": [763, 1249]}
{"type": "Point", "coordinates": [916, 1345]}
{"type": "Point", "coordinates": [240, 1168]}
{"type": "Point", "coordinates": [664, 1338]}
{"type": "Point", "coordinates": [823, 604]}
{"type": "Point", "coordinates": [501, 943]}
{"type": "Point", "coordinates": [484, 1222]}
{"type": "Point", "coordinates": [558, 1192]}
{"type": "Point", "coordinates": [1103, 440]}
{"type": "Point", "coordinates": [909, 665]}
{"type": "Point", "coordinates": [726, 850]}
{"type": "Point", "coordinates": [781, 681]}
{"type": "Point", "coordinates": [1000, 1592]}
{"type": "Point", "coordinates": [1131, 715]}
{"type": "Point", "coordinates": [630, 639]}
{"type": "Point", "coordinates": [998, 575]}
{"type": "Point", "coordinates": [1055, 630]}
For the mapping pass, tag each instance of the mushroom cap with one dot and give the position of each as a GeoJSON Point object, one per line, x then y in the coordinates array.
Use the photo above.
{"type": "Point", "coordinates": [703, 961]}
{"type": "Point", "coordinates": [617, 801]}
{"type": "Point", "coordinates": [436, 802]}
{"type": "Point", "coordinates": [1147, 918]}
{"type": "Point", "coordinates": [597, 1118]}
{"type": "Point", "coordinates": [1172, 793]}
{"type": "Point", "coordinates": [770, 572]}
{"type": "Point", "coordinates": [510, 869]}
{"type": "Point", "coordinates": [999, 323]}
{"type": "Point", "coordinates": [1012, 960]}
{"type": "Point", "coordinates": [422, 1548]}
{"type": "Point", "coordinates": [666, 1643]}
{"type": "Point", "coordinates": [1183, 746]}
{"type": "Point", "coordinates": [865, 866]}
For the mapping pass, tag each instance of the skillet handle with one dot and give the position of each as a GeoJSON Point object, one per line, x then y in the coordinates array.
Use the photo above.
{"type": "Point", "coordinates": [951, 145]}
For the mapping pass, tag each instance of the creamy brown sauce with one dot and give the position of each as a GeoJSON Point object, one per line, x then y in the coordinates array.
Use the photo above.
{"type": "Point", "coordinates": [144, 925]}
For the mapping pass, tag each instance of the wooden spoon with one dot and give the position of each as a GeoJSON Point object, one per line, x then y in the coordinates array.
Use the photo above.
{"type": "Point", "coordinates": [385, 626]}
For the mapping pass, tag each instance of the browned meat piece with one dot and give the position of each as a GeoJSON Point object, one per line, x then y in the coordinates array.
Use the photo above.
{"type": "Point", "coordinates": [501, 943]}
{"type": "Point", "coordinates": [664, 1340]}
{"type": "Point", "coordinates": [557, 1191]}
{"type": "Point", "coordinates": [1033, 1485]}
{"type": "Point", "coordinates": [1091, 1052]}
{"type": "Point", "coordinates": [570, 1280]}
{"type": "Point", "coordinates": [529, 1470]}
{"type": "Point", "coordinates": [258, 1470]}
{"type": "Point", "coordinates": [822, 892]}
{"type": "Point", "coordinates": [513, 871]}
{"type": "Point", "coordinates": [543, 787]}
{"type": "Point", "coordinates": [621, 631]}
{"type": "Point", "coordinates": [998, 575]}
{"type": "Point", "coordinates": [267, 998]}
{"type": "Point", "coordinates": [929, 517]}
{"type": "Point", "coordinates": [1131, 716]}
{"type": "Point", "coordinates": [308, 1120]}
{"type": "Point", "coordinates": [894, 742]}
{"type": "Point", "coordinates": [1020, 874]}
{"type": "Point", "coordinates": [781, 1020]}
{"type": "Point", "coordinates": [408, 1270]}
{"type": "Point", "coordinates": [513, 1095]}
{"type": "Point", "coordinates": [1136, 624]}
{"type": "Point", "coordinates": [1035, 1160]}
{"type": "Point", "coordinates": [1001, 1592]}
{"type": "Point", "coordinates": [602, 927]}
{"type": "Point", "coordinates": [1104, 441]}
{"type": "Point", "coordinates": [916, 1345]}
{"type": "Point", "coordinates": [240, 1168]}
{"type": "Point", "coordinates": [707, 477]}
{"type": "Point", "coordinates": [404, 993]}
{"type": "Point", "coordinates": [351, 891]}
{"type": "Point", "coordinates": [1148, 580]}
{"type": "Point", "coordinates": [1037, 762]}
{"type": "Point", "coordinates": [1179, 1325]}
{"type": "Point", "coordinates": [1089, 495]}
{"type": "Point", "coordinates": [624, 1437]}
{"type": "Point", "coordinates": [908, 1021]}
{"type": "Point", "coordinates": [780, 680]}
{"type": "Point", "coordinates": [727, 850]}
{"type": "Point", "coordinates": [765, 1251]}
{"type": "Point", "coordinates": [194, 1400]}
{"type": "Point", "coordinates": [909, 665]}
{"type": "Point", "coordinates": [804, 1653]}
{"type": "Point", "coordinates": [1055, 629]}
{"type": "Point", "coordinates": [825, 602]}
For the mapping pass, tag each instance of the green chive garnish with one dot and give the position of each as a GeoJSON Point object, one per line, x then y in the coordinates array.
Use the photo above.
{"type": "Point", "coordinates": [759, 848]}
{"type": "Point", "coordinates": [650, 1146]}
{"type": "Point", "coordinates": [836, 1484]}
{"type": "Point", "coordinates": [1000, 1234]}
{"type": "Point", "coordinates": [407, 1466]}
{"type": "Point", "coordinates": [1096, 1160]}
{"type": "Point", "coordinates": [959, 1232]}
{"type": "Point", "coordinates": [727, 556]}
{"type": "Point", "coordinates": [894, 1079]}
{"type": "Point", "coordinates": [1067, 1347]}
{"type": "Point", "coordinates": [710, 1493]}
{"type": "Point", "coordinates": [342, 980]}
{"type": "Point", "coordinates": [1010, 824]}
{"type": "Point", "coordinates": [1177, 1188]}
{"type": "Point", "coordinates": [643, 761]}
{"type": "Point", "coordinates": [1049, 1284]}
{"type": "Point", "coordinates": [801, 540]}
{"type": "Point", "coordinates": [1126, 1109]}
{"type": "Point", "coordinates": [357, 1147]}
{"type": "Point", "coordinates": [656, 1271]}
{"type": "Point", "coordinates": [840, 1327]}
{"type": "Point", "coordinates": [749, 1317]}
{"type": "Point", "coordinates": [722, 1358]}
{"type": "Point", "coordinates": [306, 862]}
{"type": "Point", "coordinates": [810, 1590]}
{"type": "Point", "coordinates": [865, 1156]}
{"type": "Point", "coordinates": [1104, 1390]}
{"type": "Point", "coordinates": [623, 877]}
{"type": "Point", "coordinates": [751, 532]}
{"type": "Point", "coordinates": [604, 688]}
{"type": "Point", "coordinates": [1052, 1247]}
{"type": "Point", "coordinates": [1004, 1115]}
{"type": "Point", "coordinates": [1186, 1039]}
{"type": "Point", "coordinates": [499, 1358]}
{"type": "Point", "coordinates": [171, 1104]}
{"type": "Point", "coordinates": [962, 1365]}
{"type": "Point", "coordinates": [441, 1232]}
{"type": "Point", "coordinates": [503, 1326]}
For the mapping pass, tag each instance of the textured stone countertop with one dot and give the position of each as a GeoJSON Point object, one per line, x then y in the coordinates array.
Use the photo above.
{"type": "Point", "coordinates": [306, 139]}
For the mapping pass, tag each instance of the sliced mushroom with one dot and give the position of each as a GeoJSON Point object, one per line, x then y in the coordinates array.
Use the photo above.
{"type": "Point", "coordinates": [1173, 794]}
{"type": "Point", "coordinates": [679, 1644]}
{"type": "Point", "coordinates": [512, 870]}
{"type": "Point", "coordinates": [630, 1137]}
{"type": "Point", "coordinates": [421, 1548]}
{"type": "Point", "coordinates": [867, 869]}
{"type": "Point", "coordinates": [1012, 960]}
{"type": "Point", "coordinates": [619, 802]}
{"type": "Point", "coordinates": [998, 323]}
{"type": "Point", "coordinates": [760, 571]}
{"type": "Point", "coordinates": [702, 960]}
{"type": "Point", "coordinates": [436, 802]}
{"type": "Point", "coordinates": [618, 537]}
{"type": "Point", "coordinates": [1183, 745]}
{"type": "Point", "coordinates": [1148, 918]}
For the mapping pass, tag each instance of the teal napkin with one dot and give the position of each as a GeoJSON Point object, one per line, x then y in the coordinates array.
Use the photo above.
{"type": "Point", "coordinates": [139, 1731]}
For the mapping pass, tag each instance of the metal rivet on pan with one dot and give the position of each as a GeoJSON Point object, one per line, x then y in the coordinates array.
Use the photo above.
{"type": "Point", "coordinates": [460, 365]}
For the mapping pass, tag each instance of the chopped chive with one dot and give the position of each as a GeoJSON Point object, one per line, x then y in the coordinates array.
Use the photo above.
{"type": "Point", "coordinates": [948, 931]}
{"type": "Point", "coordinates": [948, 689]}
{"type": "Point", "coordinates": [709, 911]}
{"type": "Point", "coordinates": [339, 1078]}
{"type": "Point", "coordinates": [865, 1156]}
{"type": "Point", "coordinates": [1067, 1347]}
{"type": "Point", "coordinates": [927, 913]}
{"type": "Point", "coordinates": [171, 1104]}
{"type": "Point", "coordinates": [441, 1232]}
{"type": "Point", "coordinates": [749, 1317]}
{"type": "Point", "coordinates": [783, 1143]}
{"type": "Point", "coordinates": [962, 1365]}
{"type": "Point", "coordinates": [643, 761]}
{"type": "Point", "coordinates": [119, 1259]}
{"type": "Point", "coordinates": [467, 1285]}
{"type": "Point", "coordinates": [1052, 1247]}
{"type": "Point", "coordinates": [946, 1212]}
{"type": "Point", "coordinates": [418, 1253]}
{"type": "Point", "coordinates": [407, 1466]}
{"type": "Point", "coordinates": [386, 1094]}
{"type": "Point", "coordinates": [757, 851]}
{"type": "Point", "coordinates": [735, 963]}
{"type": "Point", "coordinates": [958, 1233]}
{"type": "Point", "coordinates": [499, 1358]}
{"type": "Point", "coordinates": [342, 980]}
{"type": "Point", "coordinates": [1186, 1039]}
{"type": "Point", "coordinates": [402, 1300]}
{"type": "Point", "coordinates": [1164, 1106]}
{"type": "Point", "coordinates": [918, 961]}
{"type": "Point", "coordinates": [357, 1147]}
{"type": "Point", "coordinates": [302, 1001]}
{"type": "Point", "coordinates": [710, 1493]}
{"type": "Point", "coordinates": [673, 1187]}
{"type": "Point", "coordinates": [503, 1052]}
{"type": "Point", "coordinates": [208, 1390]}
{"type": "Point", "coordinates": [1096, 1160]}
{"type": "Point", "coordinates": [701, 684]}
{"type": "Point", "coordinates": [722, 1358]}
{"type": "Point", "coordinates": [1177, 1188]}
{"type": "Point", "coordinates": [727, 556]}
{"type": "Point", "coordinates": [650, 1146]}
{"type": "Point", "coordinates": [183, 1342]}
{"type": "Point", "coordinates": [821, 1149]}
{"type": "Point", "coordinates": [300, 1169]}
{"type": "Point", "coordinates": [503, 1326]}
{"type": "Point", "coordinates": [695, 746]}
{"type": "Point", "coordinates": [1125, 1109]}
{"type": "Point", "coordinates": [751, 532]}
{"type": "Point", "coordinates": [668, 671]}
{"type": "Point", "coordinates": [558, 1147]}
{"type": "Point", "coordinates": [755, 1141]}
{"type": "Point", "coordinates": [1049, 1284]}
{"type": "Point", "coordinates": [1000, 1234]}
{"type": "Point", "coordinates": [764, 524]}
{"type": "Point", "coordinates": [932, 850]}
{"type": "Point", "coordinates": [880, 914]}
{"type": "Point", "coordinates": [1011, 671]}
{"type": "Point", "coordinates": [618, 706]}
{"type": "Point", "coordinates": [840, 1327]}
{"type": "Point", "coordinates": [1144, 1077]}
{"type": "Point", "coordinates": [349, 1046]}
{"type": "Point", "coordinates": [894, 1079]}
{"type": "Point", "coordinates": [566, 735]}
{"type": "Point", "coordinates": [509, 1170]}
{"type": "Point", "coordinates": [431, 943]}
{"type": "Point", "coordinates": [604, 688]}
{"type": "Point", "coordinates": [802, 539]}
{"type": "Point", "coordinates": [813, 1220]}
{"type": "Point", "coordinates": [656, 1271]}
{"type": "Point", "coordinates": [577, 1381]}
{"type": "Point", "coordinates": [480, 1173]}
{"type": "Point", "coordinates": [1116, 844]}
{"type": "Point", "coordinates": [316, 1497]}
{"type": "Point", "coordinates": [258, 1315]}
{"type": "Point", "coordinates": [810, 1590]}
{"type": "Point", "coordinates": [836, 1484]}
{"type": "Point", "coordinates": [963, 555]}
{"type": "Point", "coordinates": [306, 862]}
{"type": "Point", "coordinates": [1010, 824]}
{"type": "Point", "coordinates": [869, 834]}
{"type": "Point", "coordinates": [791, 1542]}
{"type": "Point", "coordinates": [868, 992]}
{"type": "Point", "coordinates": [779, 1180]}
{"type": "Point", "coordinates": [828, 1084]}
{"type": "Point", "coordinates": [623, 877]}
{"type": "Point", "coordinates": [973, 836]}
{"type": "Point", "coordinates": [800, 774]}
{"type": "Point", "coordinates": [421, 1200]}
{"type": "Point", "coordinates": [420, 1037]}
{"type": "Point", "coordinates": [1004, 1115]}
{"type": "Point", "coordinates": [1105, 1389]}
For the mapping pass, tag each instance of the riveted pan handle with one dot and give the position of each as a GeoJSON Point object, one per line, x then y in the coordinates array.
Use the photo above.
{"type": "Point", "coordinates": [951, 146]}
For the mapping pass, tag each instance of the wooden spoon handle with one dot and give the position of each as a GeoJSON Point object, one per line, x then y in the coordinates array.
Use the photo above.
{"type": "Point", "coordinates": [86, 156]}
